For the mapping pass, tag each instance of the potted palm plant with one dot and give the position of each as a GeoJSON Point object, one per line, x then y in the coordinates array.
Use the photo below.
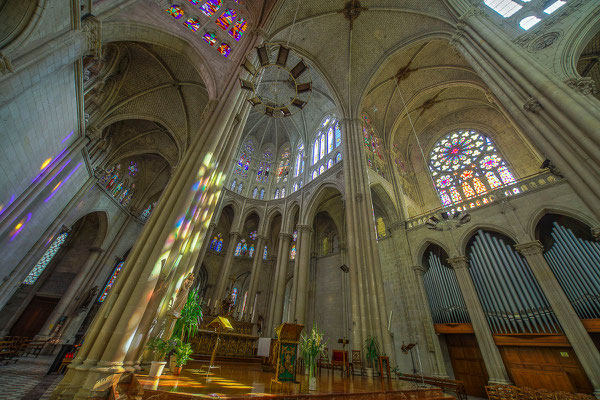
{"type": "Point", "coordinates": [371, 353]}
{"type": "Point", "coordinates": [311, 346]}
{"type": "Point", "coordinates": [190, 316]}
{"type": "Point", "coordinates": [159, 348]}
{"type": "Point", "coordinates": [183, 353]}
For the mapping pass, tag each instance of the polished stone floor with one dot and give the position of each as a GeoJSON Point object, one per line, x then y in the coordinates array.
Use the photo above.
{"type": "Point", "coordinates": [235, 380]}
{"type": "Point", "coordinates": [26, 379]}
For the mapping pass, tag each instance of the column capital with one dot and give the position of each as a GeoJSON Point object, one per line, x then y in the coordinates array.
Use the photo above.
{"type": "Point", "coordinates": [285, 235]}
{"type": "Point", "coordinates": [304, 228]}
{"type": "Point", "coordinates": [459, 262]}
{"type": "Point", "coordinates": [212, 225]}
{"type": "Point", "coordinates": [419, 269]}
{"type": "Point", "coordinates": [596, 234]}
{"type": "Point", "coordinates": [261, 237]}
{"type": "Point", "coordinates": [234, 234]}
{"type": "Point", "coordinates": [96, 250]}
{"type": "Point", "coordinates": [530, 248]}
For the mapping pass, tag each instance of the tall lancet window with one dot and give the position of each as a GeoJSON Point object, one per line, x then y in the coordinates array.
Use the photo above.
{"type": "Point", "coordinates": [283, 170]}
{"type": "Point", "coordinates": [243, 163]}
{"type": "Point", "coordinates": [466, 165]}
{"type": "Point", "coordinates": [328, 138]}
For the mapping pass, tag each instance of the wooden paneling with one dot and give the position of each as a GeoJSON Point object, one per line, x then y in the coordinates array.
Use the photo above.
{"type": "Point", "coordinates": [591, 325]}
{"type": "Point", "coordinates": [552, 368]}
{"type": "Point", "coordinates": [453, 328]}
{"type": "Point", "coordinates": [34, 316]}
{"type": "Point", "coordinates": [467, 363]}
{"type": "Point", "coordinates": [532, 340]}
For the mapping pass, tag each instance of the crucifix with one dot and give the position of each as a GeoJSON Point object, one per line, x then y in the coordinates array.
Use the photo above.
{"type": "Point", "coordinates": [344, 342]}
{"type": "Point", "coordinates": [352, 10]}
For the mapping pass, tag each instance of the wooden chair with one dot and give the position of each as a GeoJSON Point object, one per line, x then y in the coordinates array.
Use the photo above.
{"type": "Point", "coordinates": [339, 358]}
{"type": "Point", "coordinates": [323, 361]}
{"type": "Point", "coordinates": [357, 362]}
{"type": "Point", "coordinates": [526, 393]}
{"type": "Point", "coordinates": [543, 394]}
{"type": "Point", "coordinates": [492, 392]}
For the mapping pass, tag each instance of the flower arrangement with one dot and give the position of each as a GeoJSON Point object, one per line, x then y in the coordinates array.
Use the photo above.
{"type": "Point", "coordinates": [311, 346]}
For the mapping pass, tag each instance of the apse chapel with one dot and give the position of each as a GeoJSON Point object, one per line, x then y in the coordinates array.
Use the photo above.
{"type": "Point", "coordinates": [421, 172]}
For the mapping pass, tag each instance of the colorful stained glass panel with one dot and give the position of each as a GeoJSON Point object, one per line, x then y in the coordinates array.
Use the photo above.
{"type": "Point", "coordinates": [224, 49]}
{"type": "Point", "coordinates": [175, 11]}
{"type": "Point", "coordinates": [210, 38]}
{"type": "Point", "coordinates": [226, 19]}
{"type": "Point", "coordinates": [111, 282]}
{"type": "Point", "coordinates": [49, 254]}
{"type": "Point", "coordinates": [193, 24]}
{"type": "Point", "coordinates": [239, 28]}
{"type": "Point", "coordinates": [211, 7]}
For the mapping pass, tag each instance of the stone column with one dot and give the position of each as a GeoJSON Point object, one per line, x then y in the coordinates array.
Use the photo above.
{"type": "Point", "coordinates": [254, 275]}
{"type": "Point", "coordinates": [490, 353]}
{"type": "Point", "coordinates": [283, 262]}
{"type": "Point", "coordinates": [303, 253]}
{"type": "Point", "coordinates": [72, 290]}
{"type": "Point", "coordinates": [433, 343]}
{"type": "Point", "coordinates": [584, 347]}
{"type": "Point", "coordinates": [275, 286]}
{"type": "Point", "coordinates": [205, 246]}
{"type": "Point", "coordinates": [234, 238]}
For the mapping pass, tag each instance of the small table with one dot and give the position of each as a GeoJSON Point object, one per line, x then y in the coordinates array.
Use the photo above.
{"type": "Point", "coordinates": [384, 360]}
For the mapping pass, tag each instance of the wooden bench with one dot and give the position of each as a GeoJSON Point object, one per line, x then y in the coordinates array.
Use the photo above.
{"type": "Point", "coordinates": [9, 350]}
{"type": "Point", "coordinates": [457, 388]}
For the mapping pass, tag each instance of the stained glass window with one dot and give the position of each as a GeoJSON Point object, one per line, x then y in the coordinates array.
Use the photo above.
{"type": "Point", "coordinates": [316, 152]}
{"type": "Point", "coordinates": [111, 281]}
{"type": "Point", "coordinates": [330, 163]}
{"type": "Point", "coordinates": [254, 193]}
{"type": "Point", "coordinates": [262, 194]}
{"type": "Point", "coordinates": [338, 134]}
{"type": "Point", "coordinates": [195, 2]}
{"type": "Point", "coordinates": [282, 193]}
{"type": "Point", "coordinates": [253, 235]}
{"type": "Point", "coordinates": [276, 194]}
{"type": "Point", "coordinates": [371, 140]}
{"type": "Point", "coordinates": [265, 253]}
{"type": "Point", "coordinates": [210, 38]}
{"type": "Point", "coordinates": [322, 146]}
{"type": "Point", "coordinates": [338, 157]}
{"type": "Point", "coordinates": [239, 28]}
{"type": "Point", "coordinates": [243, 164]}
{"type": "Point", "coordinates": [293, 252]}
{"type": "Point", "coordinates": [226, 19]}
{"type": "Point", "coordinates": [466, 164]}
{"type": "Point", "coordinates": [175, 11]}
{"type": "Point", "coordinates": [251, 251]}
{"type": "Point", "coordinates": [234, 295]}
{"type": "Point", "coordinates": [264, 167]}
{"type": "Point", "coordinates": [217, 243]}
{"type": "Point", "coordinates": [240, 187]}
{"type": "Point", "coordinates": [46, 258]}
{"type": "Point", "coordinates": [233, 185]}
{"type": "Point", "coordinates": [193, 24]}
{"type": "Point", "coordinates": [322, 169]}
{"type": "Point", "coordinates": [299, 160]}
{"type": "Point", "coordinates": [283, 169]}
{"type": "Point", "coordinates": [146, 213]}
{"type": "Point", "coordinates": [133, 168]}
{"type": "Point", "coordinates": [224, 49]}
{"type": "Point", "coordinates": [244, 251]}
{"type": "Point", "coordinates": [330, 140]}
{"type": "Point", "coordinates": [211, 7]}
{"type": "Point", "coordinates": [315, 174]}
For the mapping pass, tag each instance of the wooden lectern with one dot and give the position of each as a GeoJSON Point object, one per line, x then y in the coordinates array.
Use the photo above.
{"type": "Point", "coordinates": [286, 349]}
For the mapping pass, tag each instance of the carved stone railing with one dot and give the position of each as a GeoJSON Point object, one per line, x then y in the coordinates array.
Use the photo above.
{"type": "Point", "coordinates": [516, 189]}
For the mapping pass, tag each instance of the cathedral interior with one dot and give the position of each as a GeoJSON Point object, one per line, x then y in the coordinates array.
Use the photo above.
{"type": "Point", "coordinates": [421, 175]}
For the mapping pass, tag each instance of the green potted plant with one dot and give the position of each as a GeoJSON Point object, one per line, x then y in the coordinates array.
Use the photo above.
{"type": "Point", "coordinates": [311, 346]}
{"type": "Point", "coordinates": [159, 348]}
{"type": "Point", "coordinates": [183, 353]}
{"type": "Point", "coordinates": [189, 321]}
{"type": "Point", "coordinates": [372, 352]}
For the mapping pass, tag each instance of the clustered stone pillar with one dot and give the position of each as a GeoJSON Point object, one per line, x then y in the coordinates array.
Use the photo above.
{"type": "Point", "coordinates": [580, 340]}
{"type": "Point", "coordinates": [489, 351]}
{"type": "Point", "coordinates": [234, 238]}
{"type": "Point", "coordinates": [255, 274]}
{"type": "Point", "coordinates": [282, 266]}
{"type": "Point", "coordinates": [82, 276]}
{"type": "Point", "coordinates": [301, 281]}
{"type": "Point", "coordinates": [433, 344]}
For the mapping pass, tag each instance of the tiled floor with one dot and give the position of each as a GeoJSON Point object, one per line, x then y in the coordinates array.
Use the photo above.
{"type": "Point", "coordinates": [27, 380]}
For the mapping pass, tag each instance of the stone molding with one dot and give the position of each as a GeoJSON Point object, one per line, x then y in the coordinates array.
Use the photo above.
{"type": "Point", "coordinates": [596, 234]}
{"type": "Point", "coordinates": [419, 269]}
{"type": "Point", "coordinates": [6, 66]}
{"type": "Point", "coordinates": [285, 235]}
{"type": "Point", "coordinates": [585, 85]}
{"type": "Point", "coordinates": [93, 133]}
{"type": "Point", "coordinates": [532, 105]}
{"type": "Point", "coordinates": [96, 250]}
{"type": "Point", "coordinates": [234, 234]}
{"type": "Point", "coordinates": [459, 262]}
{"type": "Point", "coordinates": [530, 248]}
{"type": "Point", "coordinates": [92, 28]}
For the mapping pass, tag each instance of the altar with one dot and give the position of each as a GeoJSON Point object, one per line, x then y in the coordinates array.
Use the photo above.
{"type": "Point", "coordinates": [238, 343]}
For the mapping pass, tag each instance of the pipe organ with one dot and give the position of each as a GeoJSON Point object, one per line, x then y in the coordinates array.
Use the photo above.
{"type": "Point", "coordinates": [576, 265]}
{"type": "Point", "coordinates": [445, 299]}
{"type": "Point", "coordinates": [509, 293]}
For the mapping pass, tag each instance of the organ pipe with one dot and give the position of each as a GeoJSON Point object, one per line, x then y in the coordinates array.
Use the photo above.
{"type": "Point", "coordinates": [445, 299]}
{"type": "Point", "coordinates": [511, 297]}
{"type": "Point", "coordinates": [576, 264]}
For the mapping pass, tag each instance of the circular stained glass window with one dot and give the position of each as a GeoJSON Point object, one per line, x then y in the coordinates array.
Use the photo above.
{"type": "Point", "coordinates": [457, 150]}
{"type": "Point", "coordinates": [444, 181]}
{"type": "Point", "coordinates": [490, 161]}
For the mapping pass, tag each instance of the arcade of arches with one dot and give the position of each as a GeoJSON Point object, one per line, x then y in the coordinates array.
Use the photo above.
{"type": "Point", "coordinates": [441, 186]}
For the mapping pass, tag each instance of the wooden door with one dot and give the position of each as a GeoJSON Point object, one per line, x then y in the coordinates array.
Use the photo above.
{"type": "Point", "coordinates": [34, 317]}
{"type": "Point", "coordinates": [467, 363]}
{"type": "Point", "coordinates": [552, 368]}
